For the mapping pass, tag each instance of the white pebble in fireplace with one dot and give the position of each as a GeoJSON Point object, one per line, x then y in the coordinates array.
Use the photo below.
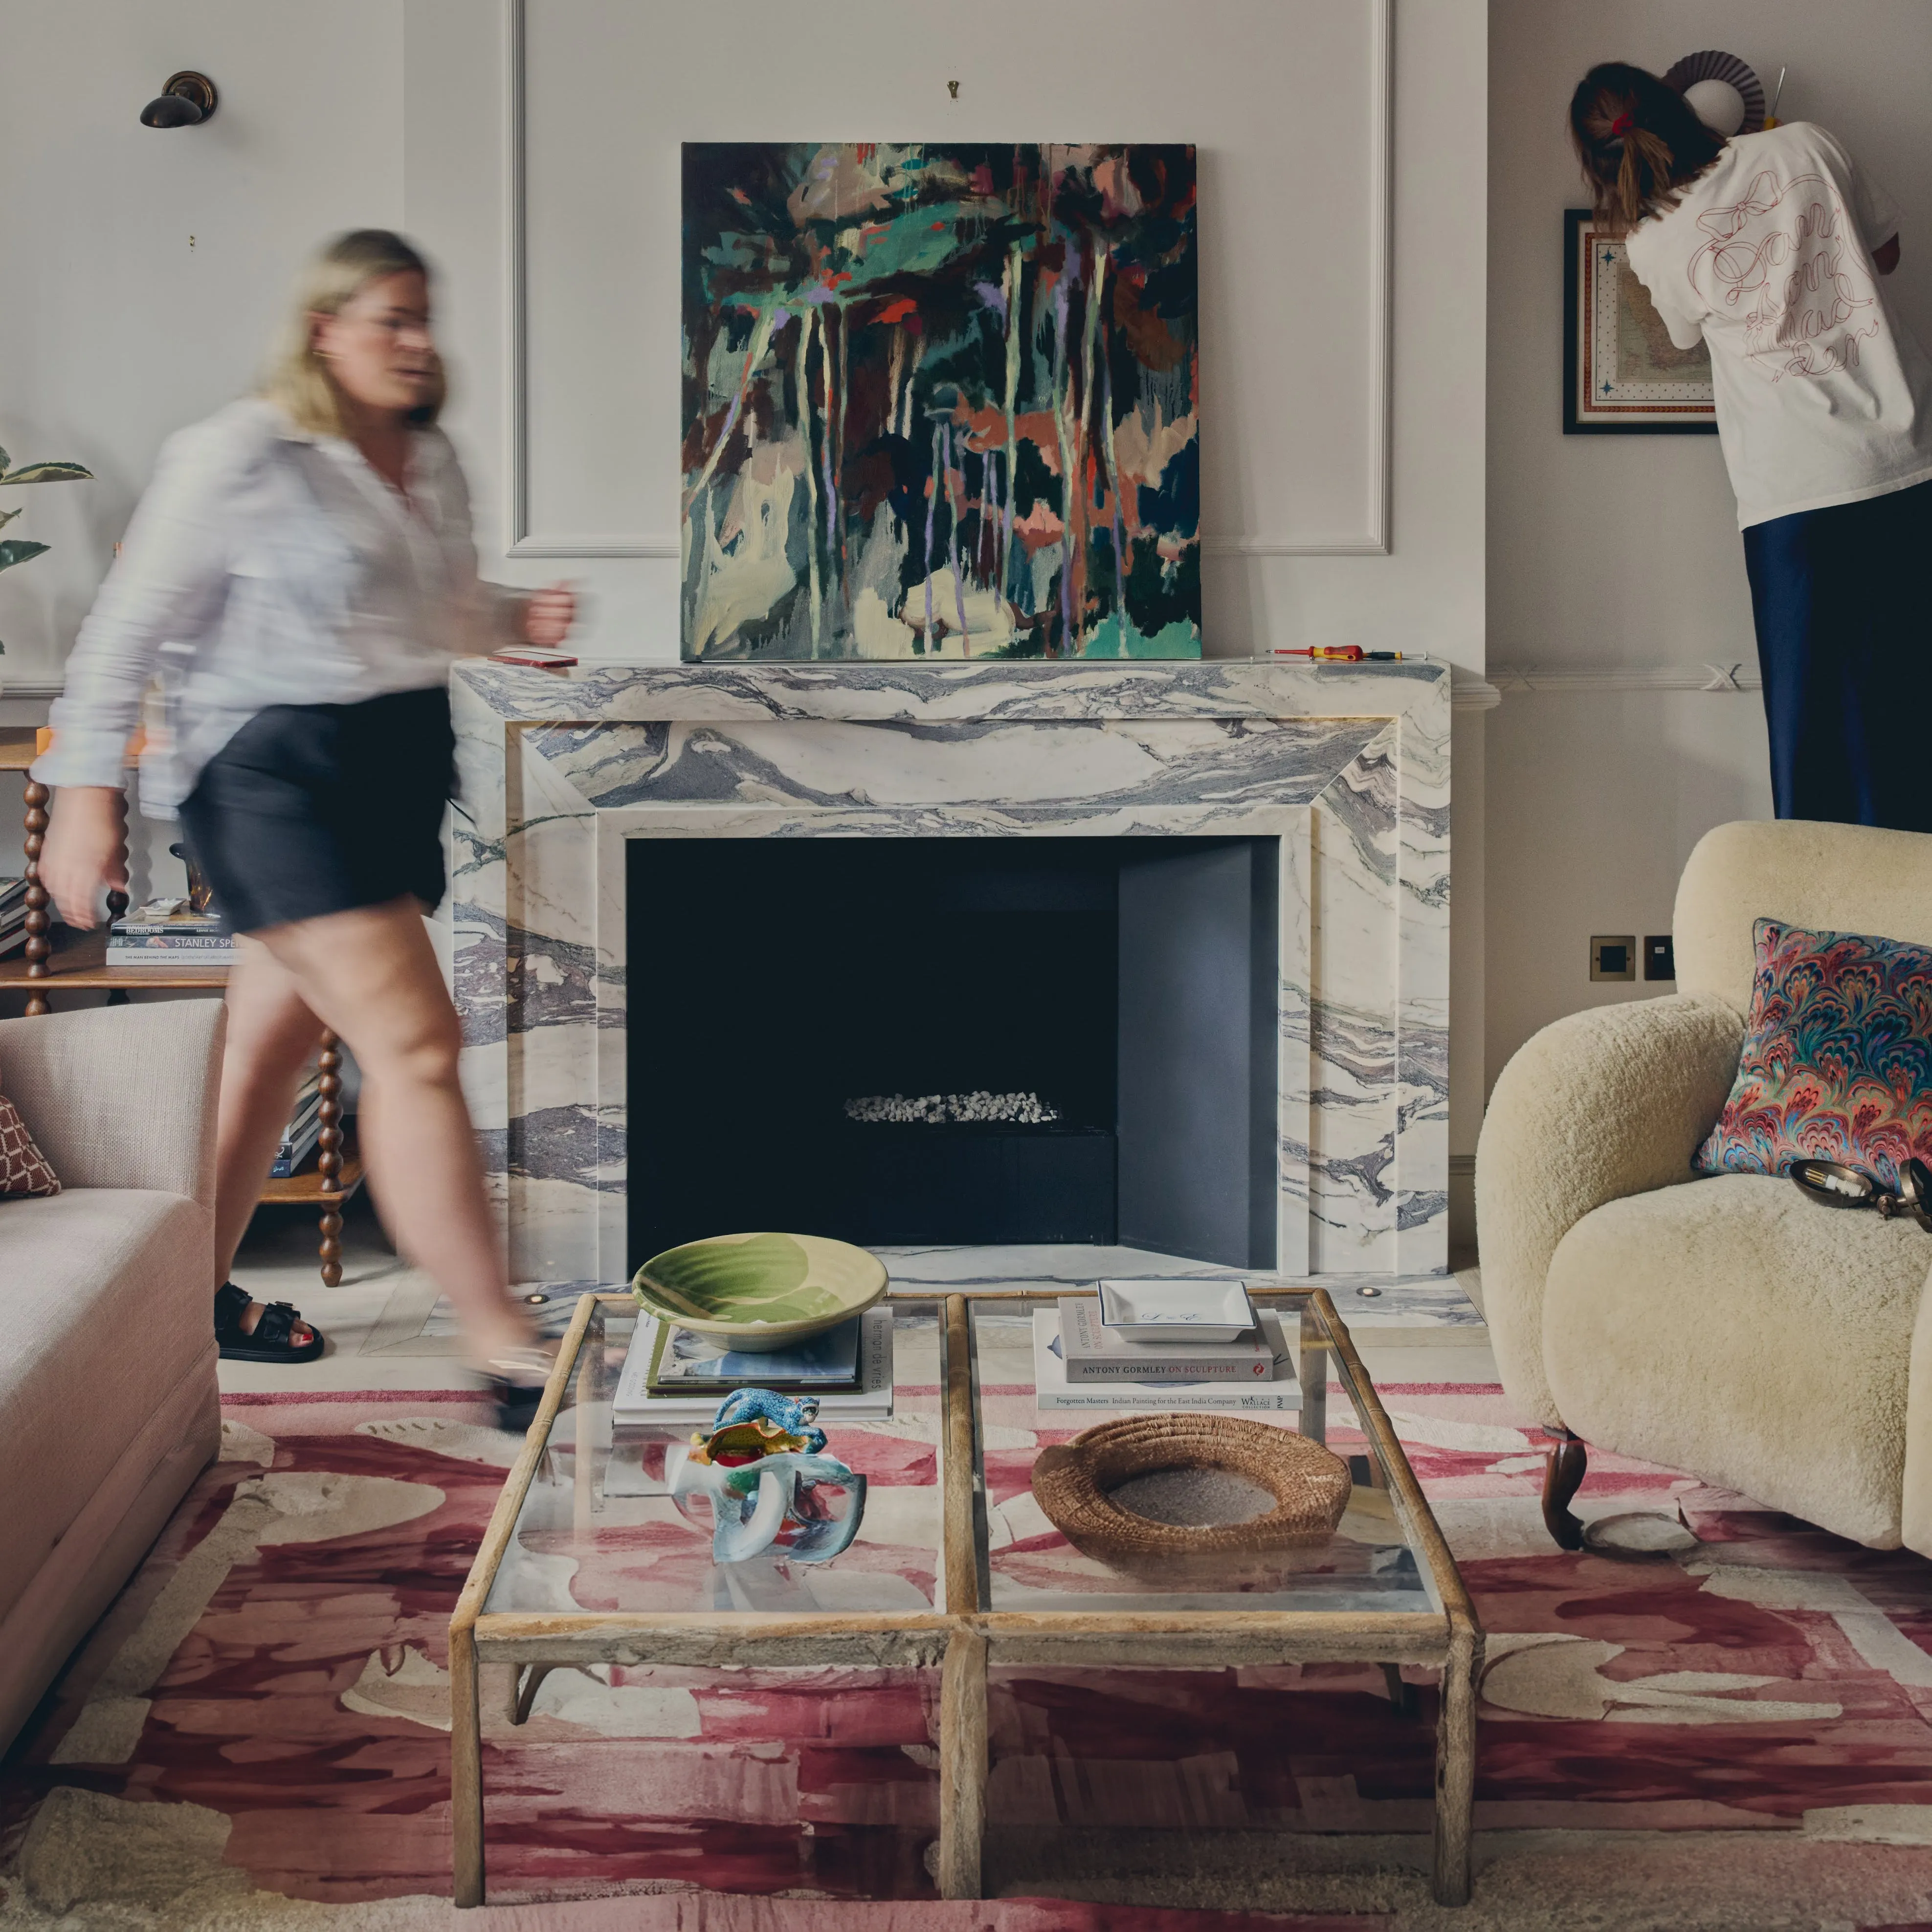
{"type": "Point", "coordinates": [1343, 770]}
{"type": "Point", "coordinates": [1024, 1110]}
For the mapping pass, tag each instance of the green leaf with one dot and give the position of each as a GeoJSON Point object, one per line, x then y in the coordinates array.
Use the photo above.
{"type": "Point", "coordinates": [4, 460]}
{"type": "Point", "coordinates": [7, 517]}
{"type": "Point", "coordinates": [48, 472]}
{"type": "Point", "coordinates": [18, 552]}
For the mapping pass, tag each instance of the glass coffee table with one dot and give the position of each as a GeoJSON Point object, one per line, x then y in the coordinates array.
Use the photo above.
{"type": "Point", "coordinates": [586, 1560]}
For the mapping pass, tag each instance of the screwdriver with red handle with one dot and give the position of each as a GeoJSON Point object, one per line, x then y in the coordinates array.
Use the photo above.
{"type": "Point", "coordinates": [1342, 653]}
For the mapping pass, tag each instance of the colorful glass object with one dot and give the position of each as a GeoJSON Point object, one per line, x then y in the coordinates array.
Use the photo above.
{"type": "Point", "coordinates": [760, 1476]}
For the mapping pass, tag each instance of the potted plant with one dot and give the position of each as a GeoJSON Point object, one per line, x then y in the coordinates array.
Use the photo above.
{"type": "Point", "coordinates": [18, 550]}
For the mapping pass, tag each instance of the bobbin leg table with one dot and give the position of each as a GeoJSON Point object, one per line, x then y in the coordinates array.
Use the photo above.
{"type": "Point", "coordinates": [973, 1581]}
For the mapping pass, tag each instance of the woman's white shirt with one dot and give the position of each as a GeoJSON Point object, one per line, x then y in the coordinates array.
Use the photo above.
{"type": "Point", "coordinates": [1824, 396]}
{"type": "Point", "coordinates": [266, 565]}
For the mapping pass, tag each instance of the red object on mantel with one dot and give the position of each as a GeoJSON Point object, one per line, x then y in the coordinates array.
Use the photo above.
{"type": "Point", "coordinates": [1339, 654]}
{"type": "Point", "coordinates": [535, 659]}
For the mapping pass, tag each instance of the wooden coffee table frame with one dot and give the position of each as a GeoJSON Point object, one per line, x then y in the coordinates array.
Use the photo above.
{"type": "Point", "coordinates": [965, 1638]}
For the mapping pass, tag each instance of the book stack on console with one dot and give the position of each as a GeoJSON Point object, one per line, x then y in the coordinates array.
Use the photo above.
{"type": "Point", "coordinates": [303, 1129]}
{"type": "Point", "coordinates": [170, 932]}
{"type": "Point", "coordinates": [1152, 1356]}
{"type": "Point", "coordinates": [13, 915]}
{"type": "Point", "coordinates": [676, 1378]}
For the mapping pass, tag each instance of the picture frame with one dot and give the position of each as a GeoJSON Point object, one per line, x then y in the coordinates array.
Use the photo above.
{"type": "Point", "coordinates": [1622, 375]}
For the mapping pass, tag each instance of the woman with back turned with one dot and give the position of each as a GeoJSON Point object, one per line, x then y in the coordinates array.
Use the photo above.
{"type": "Point", "coordinates": [1770, 247]}
{"type": "Point", "coordinates": [305, 555]}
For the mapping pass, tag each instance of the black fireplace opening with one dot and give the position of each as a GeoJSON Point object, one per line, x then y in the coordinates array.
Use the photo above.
{"type": "Point", "coordinates": [1110, 1003]}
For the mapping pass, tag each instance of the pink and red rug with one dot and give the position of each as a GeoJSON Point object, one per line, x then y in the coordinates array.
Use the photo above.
{"type": "Point", "coordinates": [276, 1675]}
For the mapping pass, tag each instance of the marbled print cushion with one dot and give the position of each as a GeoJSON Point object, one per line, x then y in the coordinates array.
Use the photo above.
{"type": "Point", "coordinates": [23, 1168]}
{"type": "Point", "coordinates": [1837, 1058]}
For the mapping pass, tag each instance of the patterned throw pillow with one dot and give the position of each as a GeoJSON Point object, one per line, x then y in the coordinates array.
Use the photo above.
{"type": "Point", "coordinates": [23, 1168]}
{"type": "Point", "coordinates": [1837, 1059]}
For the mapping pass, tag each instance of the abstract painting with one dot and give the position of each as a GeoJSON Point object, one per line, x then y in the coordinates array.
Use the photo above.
{"type": "Point", "coordinates": [939, 401]}
{"type": "Point", "coordinates": [1621, 372]}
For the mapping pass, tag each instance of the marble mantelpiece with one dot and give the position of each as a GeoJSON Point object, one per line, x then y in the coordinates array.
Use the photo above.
{"type": "Point", "coordinates": [1347, 765]}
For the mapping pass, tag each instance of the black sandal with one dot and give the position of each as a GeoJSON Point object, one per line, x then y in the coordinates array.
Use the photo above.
{"type": "Point", "coordinates": [517, 1381]}
{"type": "Point", "coordinates": [269, 1342]}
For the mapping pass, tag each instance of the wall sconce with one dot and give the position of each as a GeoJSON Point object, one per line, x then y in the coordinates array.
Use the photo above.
{"type": "Point", "coordinates": [187, 100]}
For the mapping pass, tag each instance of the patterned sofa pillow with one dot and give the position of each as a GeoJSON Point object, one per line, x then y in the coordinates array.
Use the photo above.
{"type": "Point", "coordinates": [23, 1168]}
{"type": "Point", "coordinates": [1837, 1058]}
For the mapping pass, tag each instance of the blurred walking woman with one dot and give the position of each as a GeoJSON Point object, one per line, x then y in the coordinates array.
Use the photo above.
{"type": "Point", "coordinates": [1769, 247]}
{"type": "Point", "coordinates": [306, 557]}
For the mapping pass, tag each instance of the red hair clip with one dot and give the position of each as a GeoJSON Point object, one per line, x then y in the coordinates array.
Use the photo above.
{"type": "Point", "coordinates": [1623, 124]}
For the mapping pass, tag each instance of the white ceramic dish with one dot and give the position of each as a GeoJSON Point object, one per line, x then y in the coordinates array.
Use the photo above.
{"type": "Point", "coordinates": [1176, 1311]}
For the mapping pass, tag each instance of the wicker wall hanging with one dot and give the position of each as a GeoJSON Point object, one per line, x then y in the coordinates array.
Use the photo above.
{"type": "Point", "coordinates": [1071, 1482]}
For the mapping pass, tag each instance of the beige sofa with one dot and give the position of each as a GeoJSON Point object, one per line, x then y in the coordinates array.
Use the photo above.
{"type": "Point", "coordinates": [108, 1406]}
{"type": "Point", "coordinates": [1724, 1325]}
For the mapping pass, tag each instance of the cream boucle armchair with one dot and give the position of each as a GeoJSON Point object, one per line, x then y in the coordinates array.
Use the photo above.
{"type": "Point", "coordinates": [1722, 1325]}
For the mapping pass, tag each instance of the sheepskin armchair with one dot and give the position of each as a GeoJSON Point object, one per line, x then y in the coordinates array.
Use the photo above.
{"type": "Point", "coordinates": [1722, 1325]}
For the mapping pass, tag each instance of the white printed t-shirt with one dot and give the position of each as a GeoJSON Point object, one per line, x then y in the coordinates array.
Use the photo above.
{"type": "Point", "coordinates": [1823, 396]}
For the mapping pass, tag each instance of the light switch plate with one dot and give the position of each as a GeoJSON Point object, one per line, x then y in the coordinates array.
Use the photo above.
{"type": "Point", "coordinates": [1613, 956]}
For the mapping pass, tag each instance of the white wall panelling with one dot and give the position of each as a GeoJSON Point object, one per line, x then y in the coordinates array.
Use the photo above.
{"type": "Point", "coordinates": [1301, 334]}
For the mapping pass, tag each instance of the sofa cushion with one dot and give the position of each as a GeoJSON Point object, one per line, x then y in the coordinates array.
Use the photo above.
{"type": "Point", "coordinates": [1733, 1329]}
{"type": "Point", "coordinates": [1837, 1057]}
{"type": "Point", "coordinates": [106, 1306]}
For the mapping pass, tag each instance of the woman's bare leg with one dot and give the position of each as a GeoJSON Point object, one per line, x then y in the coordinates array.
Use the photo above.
{"type": "Point", "coordinates": [372, 977]}
{"type": "Point", "coordinates": [271, 1033]}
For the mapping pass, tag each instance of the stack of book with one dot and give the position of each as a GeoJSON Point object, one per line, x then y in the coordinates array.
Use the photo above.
{"type": "Point", "coordinates": [674, 1378]}
{"type": "Point", "coordinates": [166, 932]}
{"type": "Point", "coordinates": [1079, 1363]}
{"type": "Point", "coordinates": [12, 915]}
{"type": "Point", "coordinates": [303, 1129]}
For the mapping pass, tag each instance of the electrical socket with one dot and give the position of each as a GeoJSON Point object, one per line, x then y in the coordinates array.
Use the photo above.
{"type": "Point", "coordinates": [1659, 956]}
{"type": "Point", "coordinates": [1613, 956]}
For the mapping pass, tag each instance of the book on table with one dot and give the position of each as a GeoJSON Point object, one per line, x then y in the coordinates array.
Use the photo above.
{"type": "Point", "coordinates": [307, 1110]}
{"type": "Point", "coordinates": [12, 915]}
{"type": "Point", "coordinates": [634, 1405]}
{"type": "Point", "coordinates": [1092, 1352]}
{"type": "Point", "coordinates": [293, 1153]}
{"type": "Point", "coordinates": [1281, 1394]}
{"type": "Point", "coordinates": [170, 929]}
{"type": "Point", "coordinates": [685, 1362]}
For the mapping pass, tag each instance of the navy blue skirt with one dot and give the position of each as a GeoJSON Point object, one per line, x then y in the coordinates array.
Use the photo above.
{"type": "Point", "coordinates": [314, 809]}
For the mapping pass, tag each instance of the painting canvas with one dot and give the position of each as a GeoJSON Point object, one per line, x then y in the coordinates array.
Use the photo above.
{"type": "Point", "coordinates": [1621, 372]}
{"type": "Point", "coordinates": [939, 401]}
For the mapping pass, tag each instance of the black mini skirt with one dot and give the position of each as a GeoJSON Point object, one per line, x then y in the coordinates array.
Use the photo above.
{"type": "Point", "coordinates": [314, 809]}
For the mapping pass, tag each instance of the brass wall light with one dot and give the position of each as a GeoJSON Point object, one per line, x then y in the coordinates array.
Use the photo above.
{"type": "Point", "coordinates": [187, 100]}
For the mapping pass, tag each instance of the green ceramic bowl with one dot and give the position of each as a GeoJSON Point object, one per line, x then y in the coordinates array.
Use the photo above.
{"type": "Point", "coordinates": [757, 1292]}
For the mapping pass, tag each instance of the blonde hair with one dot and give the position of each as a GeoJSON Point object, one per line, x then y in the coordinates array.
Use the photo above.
{"type": "Point", "coordinates": [296, 377]}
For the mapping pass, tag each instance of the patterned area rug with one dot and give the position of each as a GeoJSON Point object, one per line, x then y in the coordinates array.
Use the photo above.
{"type": "Point", "coordinates": [257, 1735]}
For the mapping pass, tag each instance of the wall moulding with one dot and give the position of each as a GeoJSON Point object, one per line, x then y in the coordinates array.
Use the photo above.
{"type": "Point", "coordinates": [521, 537]}
{"type": "Point", "coordinates": [1724, 677]}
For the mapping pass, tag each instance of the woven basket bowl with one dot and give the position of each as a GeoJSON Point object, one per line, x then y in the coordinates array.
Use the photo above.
{"type": "Point", "coordinates": [1310, 1486]}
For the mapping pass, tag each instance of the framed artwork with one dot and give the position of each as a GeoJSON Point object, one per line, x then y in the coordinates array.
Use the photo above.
{"type": "Point", "coordinates": [1622, 374]}
{"type": "Point", "coordinates": [940, 400]}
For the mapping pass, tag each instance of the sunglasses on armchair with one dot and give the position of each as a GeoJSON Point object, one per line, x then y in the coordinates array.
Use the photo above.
{"type": "Point", "coordinates": [1838, 1186]}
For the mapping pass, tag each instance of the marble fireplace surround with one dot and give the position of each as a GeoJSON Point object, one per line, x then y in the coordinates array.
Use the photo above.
{"type": "Point", "coordinates": [1347, 765]}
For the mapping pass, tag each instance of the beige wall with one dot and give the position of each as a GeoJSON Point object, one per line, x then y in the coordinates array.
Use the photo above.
{"type": "Point", "coordinates": [1617, 558]}
{"type": "Point", "coordinates": [358, 111]}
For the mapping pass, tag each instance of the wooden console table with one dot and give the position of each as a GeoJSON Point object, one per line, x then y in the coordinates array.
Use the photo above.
{"type": "Point", "coordinates": [78, 962]}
